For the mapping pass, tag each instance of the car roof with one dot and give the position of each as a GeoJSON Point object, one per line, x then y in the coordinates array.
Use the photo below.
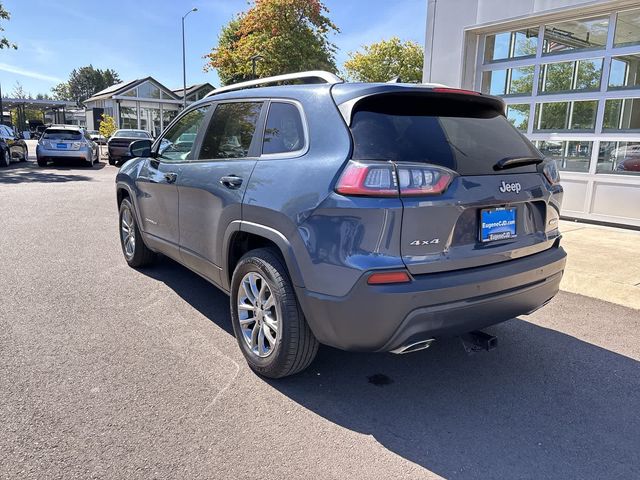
{"type": "Point", "coordinates": [64, 127]}
{"type": "Point", "coordinates": [341, 92]}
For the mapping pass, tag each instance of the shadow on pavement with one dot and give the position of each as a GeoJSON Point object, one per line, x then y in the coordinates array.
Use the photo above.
{"type": "Point", "coordinates": [30, 172]}
{"type": "Point", "coordinates": [542, 405]}
{"type": "Point", "coordinates": [197, 292]}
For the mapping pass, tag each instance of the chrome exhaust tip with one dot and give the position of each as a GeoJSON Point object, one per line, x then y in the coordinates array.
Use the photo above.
{"type": "Point", "coordinates": [414, 347]}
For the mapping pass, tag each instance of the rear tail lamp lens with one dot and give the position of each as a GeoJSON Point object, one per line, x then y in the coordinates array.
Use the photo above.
{"type": "Point", "coordinates": [550, 171]}
{"type": "Point", "coordinates": [386, 179]}
{"type": "Point", "coordinates": [419, 180]}
{"type": "Point", "coordinates": [368, 179]}
{"type": "Point", "coordinates": [388, 277]}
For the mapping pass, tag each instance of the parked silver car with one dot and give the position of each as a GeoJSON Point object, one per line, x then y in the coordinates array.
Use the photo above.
{"type": "Point", "coordinates": [66, 142]}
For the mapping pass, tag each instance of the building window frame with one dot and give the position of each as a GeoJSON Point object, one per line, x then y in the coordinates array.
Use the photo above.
{"type": "Point", "coordinates": [600, 95]}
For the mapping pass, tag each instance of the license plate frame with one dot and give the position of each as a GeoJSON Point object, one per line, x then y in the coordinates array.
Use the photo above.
{"type": "Point", "coordinates": [498, 223]}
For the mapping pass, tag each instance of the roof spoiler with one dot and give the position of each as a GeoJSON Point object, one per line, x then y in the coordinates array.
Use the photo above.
{"type": "Point", "coordinates": [347, 108]}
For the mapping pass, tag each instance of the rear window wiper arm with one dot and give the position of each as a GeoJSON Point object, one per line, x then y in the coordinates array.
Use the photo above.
{"type": "Point", "coordinates": [513, 162]}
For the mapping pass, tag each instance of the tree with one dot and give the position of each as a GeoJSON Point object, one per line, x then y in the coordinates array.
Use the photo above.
{"type": "Point", "coordinates": [289, 35]}
{"type": "Point", "coordinates": [4, 43]}
{"type": "Point", "coordinates": [19, 91]}
{"type": "Point", "coordinates": [61, 91]}
{"type": "Point", "coordinates": [384, 60]}
{"type": "Point", "coordinates": [107, 125]}
{"type": "Point", "coordinates": [84, 82]}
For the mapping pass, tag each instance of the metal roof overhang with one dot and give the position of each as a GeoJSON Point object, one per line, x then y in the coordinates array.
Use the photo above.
{"type": "Point", "coordinates": [9, 103]}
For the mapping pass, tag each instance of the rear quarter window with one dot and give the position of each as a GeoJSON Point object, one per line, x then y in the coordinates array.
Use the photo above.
{"type": "Point", "coordinates": [283, 132]}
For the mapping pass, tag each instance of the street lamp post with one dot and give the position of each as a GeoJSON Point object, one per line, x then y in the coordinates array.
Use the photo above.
{"type": "Point", "coordinates": [184, 62]}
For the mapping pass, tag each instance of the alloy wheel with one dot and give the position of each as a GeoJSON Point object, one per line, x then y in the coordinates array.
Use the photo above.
{"type": "Point", "coordinates": [128, 232]}
{"type": "Point", "coordinates": [257, 314]}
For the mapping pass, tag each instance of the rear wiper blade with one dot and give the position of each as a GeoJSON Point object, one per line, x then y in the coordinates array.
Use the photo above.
{"type": "Point", "coordinates": [513, 162]}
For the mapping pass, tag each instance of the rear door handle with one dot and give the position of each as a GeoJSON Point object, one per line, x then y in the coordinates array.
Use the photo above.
{"type": "Point", "coordinates": [231, 181]}
{"type": "Point", "coordinates": [170, 177]}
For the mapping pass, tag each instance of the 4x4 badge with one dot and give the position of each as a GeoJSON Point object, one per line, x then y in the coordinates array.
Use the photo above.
{"type": "Point", "coordinates": [418, 243]}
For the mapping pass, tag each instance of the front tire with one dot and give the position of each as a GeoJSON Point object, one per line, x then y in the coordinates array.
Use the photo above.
{"type": "Point", "coordinates": [136, 253]}
{"type": "Point", "coordinates": [268, 323]}
{"type": "Point", "coordinates": [25, 155]}
{"type": "Point", "coordinates": [42, 162]}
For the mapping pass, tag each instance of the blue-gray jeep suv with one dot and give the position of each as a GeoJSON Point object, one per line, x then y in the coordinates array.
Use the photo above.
{"type": "Point", "coordinates": [368, 217]}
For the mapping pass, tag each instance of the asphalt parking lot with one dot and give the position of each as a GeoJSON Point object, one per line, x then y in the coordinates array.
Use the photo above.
{"type": "Point", "coordinates": [109, 372]}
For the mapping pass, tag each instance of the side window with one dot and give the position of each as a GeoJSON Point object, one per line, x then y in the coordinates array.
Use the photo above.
{"type": "Point", "coordinates": [283, 132]}
{"type": "Point", "coordinates": [177, 144]}
{"type": "Point", "coordinates": [231, 130]}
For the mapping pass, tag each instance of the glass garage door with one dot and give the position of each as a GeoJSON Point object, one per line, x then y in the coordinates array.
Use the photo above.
{"type": "Point", "coordinates": [573, 87]}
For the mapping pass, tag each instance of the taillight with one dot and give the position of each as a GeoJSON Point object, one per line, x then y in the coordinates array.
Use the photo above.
{"type": "Point", "coordinates": [550, 171]}
{"type": "Point", "coordinates": [386, 179]}
{"type": "Point", "coordinates": [423, 179]}
{"type": "Point", "coordinates": [375, 179]}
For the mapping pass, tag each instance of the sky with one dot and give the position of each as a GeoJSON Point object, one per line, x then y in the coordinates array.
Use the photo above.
{"type": "Point", "coordinates": [140, 38]}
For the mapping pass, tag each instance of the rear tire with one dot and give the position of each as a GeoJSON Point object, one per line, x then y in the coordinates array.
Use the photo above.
{"type": "Point", "coordinates": [135, 252]}
{"type": "Point", "coordinates": [112, 161]}
{"type": "Point", "coordinates": [42, 162]}
{"type": "Point", "coordinates": [25, 155]}
{"type": "Point", "coordinates": [293, 347]}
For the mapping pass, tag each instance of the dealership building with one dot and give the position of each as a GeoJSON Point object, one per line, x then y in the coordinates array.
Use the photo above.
{"type": "Point", "coordinates": [143, 103]}
{"type": "Point", "coordinates": [569, 72]}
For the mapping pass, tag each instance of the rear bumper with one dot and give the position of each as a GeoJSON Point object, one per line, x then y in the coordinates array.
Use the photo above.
{"type": "Point", "coordinates": [118, 152]}
{"type": "Point", "coordinates": [81, 154]}
{"type": "Point", "coordinates": [385, 317]}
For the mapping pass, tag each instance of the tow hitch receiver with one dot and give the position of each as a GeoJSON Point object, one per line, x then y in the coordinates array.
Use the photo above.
{"type": "Point", "coordinates": [477, 341]}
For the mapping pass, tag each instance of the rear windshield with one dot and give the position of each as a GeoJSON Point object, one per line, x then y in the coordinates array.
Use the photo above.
{"type": "Point", "coordinates": [131, 134]}
{"type": "Point", "coordinates": [461, 135]}
{"type": "Point", "coordinates": [59, 134]}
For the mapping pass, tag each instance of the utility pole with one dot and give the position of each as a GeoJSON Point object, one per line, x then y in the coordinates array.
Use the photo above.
{"type": "Point", "coordinates": [184, 62]}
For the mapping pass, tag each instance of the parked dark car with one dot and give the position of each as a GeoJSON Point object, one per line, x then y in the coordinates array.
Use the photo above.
{"type": "Point", "coordinates": [118, 144]}
{"type": "Point", "coordinates": [12, 147]}
{"type": "Point", "coordinates": [368, 217]}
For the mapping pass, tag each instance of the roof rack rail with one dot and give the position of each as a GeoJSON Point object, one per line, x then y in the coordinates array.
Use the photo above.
{"type": "Point", "coordinates": [325, 77]}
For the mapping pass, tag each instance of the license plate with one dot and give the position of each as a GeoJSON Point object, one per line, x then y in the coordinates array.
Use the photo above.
{"type": "Point", "coordinates": [497, 224]}
{"type": "Point", "coordinates": [61, 145]}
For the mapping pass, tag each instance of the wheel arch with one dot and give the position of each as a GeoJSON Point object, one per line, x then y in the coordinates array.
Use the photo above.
{"type": "Point", "coordinates": [124, 190]}
{"type": "Point", "coordinates": [242, 237]}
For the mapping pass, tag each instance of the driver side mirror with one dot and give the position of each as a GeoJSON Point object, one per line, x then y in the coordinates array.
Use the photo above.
{"type": "Point", "coordinates": [140, 148]}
